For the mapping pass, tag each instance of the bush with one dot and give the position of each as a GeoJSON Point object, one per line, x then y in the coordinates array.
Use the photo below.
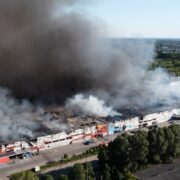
{"type": "Point", "coordinates": [26, 175]}
{"type": "Point", "coordinates": [63, 177]}
{"type": "Point", "coordinates": [48, 177]}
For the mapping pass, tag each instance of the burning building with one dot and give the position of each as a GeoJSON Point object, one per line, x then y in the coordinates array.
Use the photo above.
{"type": "Point", "coordinates": [85, 128]}
{"type": "Point", "coordinates": [51, 54]}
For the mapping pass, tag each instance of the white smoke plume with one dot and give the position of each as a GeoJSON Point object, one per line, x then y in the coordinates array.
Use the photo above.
{"type": "Point", "coordinates": [22, 119]}
{"type": "Point", "coordinates": [90, 105]}
{"type": "Point", "coordinates": [15, 119]}
{"type": "Point", "coordinates": [164, 88]}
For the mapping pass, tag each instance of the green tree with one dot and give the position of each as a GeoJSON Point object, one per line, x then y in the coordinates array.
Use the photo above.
{"type": "Point", "coordinates": [27, 175]}
{"type": "Point", "coordinates": [139, 150]}
{"type": "Point", "coordinates": [78, 172]}
{"type": "Point", "coordinates": [48, 177]}
{"type": "Point", "coordinates": [106, 173]}
{"type": "Point", "coordinates": [63, 177]}
{"type": "Point", "coordinates": [116, 174]}
{"type": "Point", "coordinates": [161, 144]}
{"type": "Point", "coordinates": [118, 153]}
{"type": "Point", "coordinates": [170, 139]}
{"type": "Point", "coordinates": [153, 157]}
{"type": "Point", "coordinates": [103, 158]}
{"type": "Point", "coordinates": [89, 171]}
{"type": "Point", "coordinates": [129, 176]}
{"type": "Point", "coordinates": [175, 129]}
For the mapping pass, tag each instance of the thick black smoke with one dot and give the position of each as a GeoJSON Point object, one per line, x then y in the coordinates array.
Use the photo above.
{"type": "Point", "coordinates": [49, 52]}
{"type": "Point", "coordinates": [42, 49]}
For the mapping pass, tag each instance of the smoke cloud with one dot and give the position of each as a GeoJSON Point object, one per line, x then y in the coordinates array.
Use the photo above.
{"type": "Point", "coordinates": [90, 105]}
{"type": "Point", "coordinates": [50, 52]}
{"type": "Point", "coordinates": [40, 48]}
{"type": "Point", "coordinates": [15, 121]}
{"type": "Point", "coordinates": [19, 120]}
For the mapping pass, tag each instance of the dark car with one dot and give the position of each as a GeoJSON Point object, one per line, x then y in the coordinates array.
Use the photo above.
{"type": "Point", "coordinates": [88, 142]}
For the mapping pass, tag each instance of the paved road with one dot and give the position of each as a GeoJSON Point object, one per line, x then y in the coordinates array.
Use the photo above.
{"type": "Point", "coordinates": [56, 171]}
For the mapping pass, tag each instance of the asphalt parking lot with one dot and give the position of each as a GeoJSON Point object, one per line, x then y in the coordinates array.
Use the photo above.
{"type": "Point", "coordinates": [161, 172]}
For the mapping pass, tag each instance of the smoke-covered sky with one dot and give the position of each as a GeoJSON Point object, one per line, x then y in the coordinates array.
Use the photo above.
{"type": "Point", "coordinates": [51, 51]}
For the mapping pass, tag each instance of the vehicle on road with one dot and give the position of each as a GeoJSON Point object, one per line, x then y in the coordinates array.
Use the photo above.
{"type": "Point", "coordinates": [88, 142]}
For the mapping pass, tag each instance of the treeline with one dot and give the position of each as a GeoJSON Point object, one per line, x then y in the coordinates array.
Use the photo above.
{"type": "Point", "coordinates": [168, 55]}
{"type": "Point", "coordinates": [130, 153]}
{"type": "Point", "coordinates": [168, 61]}
{"type": "Point", "coordinates": [77, 172]}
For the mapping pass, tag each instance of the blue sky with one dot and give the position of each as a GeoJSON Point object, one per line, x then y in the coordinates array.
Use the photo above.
{"type": "Point", "coordinates": [138, 18]}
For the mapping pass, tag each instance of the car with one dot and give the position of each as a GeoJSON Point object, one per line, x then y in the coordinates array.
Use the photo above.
{"type": "Point", "coordinates": [88, 142]}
